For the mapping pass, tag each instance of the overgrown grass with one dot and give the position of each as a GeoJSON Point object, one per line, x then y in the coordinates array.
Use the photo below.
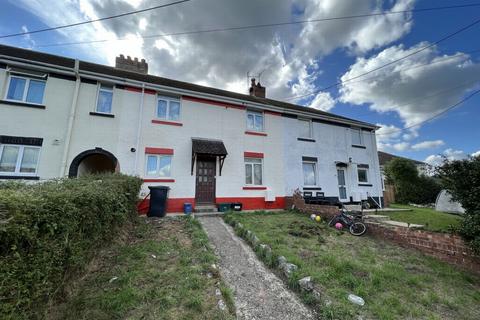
{"type": "Point", "coordinates": [396, 283]}
{"type": "Point", "coordinates": [431, 219]}
{"type": "Point", "coordinates": [158, 272]}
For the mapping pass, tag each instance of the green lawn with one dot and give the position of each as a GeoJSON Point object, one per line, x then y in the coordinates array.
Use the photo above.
{"type": "Point", "coordinates": [431, 219]}
{"type": "Point", "coordinates": [161, 272]}
{"type": "Point", "coordinates": [396, 283]}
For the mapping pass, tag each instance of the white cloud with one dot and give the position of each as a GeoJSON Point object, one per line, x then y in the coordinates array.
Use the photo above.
{"type": "Point", "coordinates": [289, 56]}
{"type": "Point", "coordinates": [322, 101]}
{"type": "Point", "coordinates": [476, 154]}
{"type": "Point", "coordinates": [414, 91]}
{"type": "Point", "coordinates": [401, 146]}
{"type": "Point", "coordinates": [448, 154]}
{"type": "Point", "coordinates": [429, 144]}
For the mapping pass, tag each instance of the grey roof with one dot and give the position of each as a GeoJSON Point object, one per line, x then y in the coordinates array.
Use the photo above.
{"type": "Point", "coordinates": [384, 157]}
{"type": "Point", "coordinates": [111, 71]}
{"type": "Point", "coordinates": [208, 147]}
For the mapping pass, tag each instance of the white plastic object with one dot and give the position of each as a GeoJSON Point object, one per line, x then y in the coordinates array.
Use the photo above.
{"type": "Point", "coordinates": [356, 299]}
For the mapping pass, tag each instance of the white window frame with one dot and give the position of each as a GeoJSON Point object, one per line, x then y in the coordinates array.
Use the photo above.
{"type": "Point", "coordinates": [310, 128]}
{"type": "Point", "coordinates": [25, 90]}
{"type": "Point", "coordinates": [167, 116]}
{"type": "Point", "coordinates": [253, 171]}
{"type": "Point", "coordinates": [315, 172]}
{"type": "Point", "coordinates": [18, 164]}
{"type": "Point", "coordinates": [359, 130]}
{"type": "Point", "coordinates": [158, 156]}
{"type": "Point", "coordinates": [99, 88]}
{"type": "Point", "coordinates": [253, 112]}
{"type": "Point", "coordinates": [366, 175]}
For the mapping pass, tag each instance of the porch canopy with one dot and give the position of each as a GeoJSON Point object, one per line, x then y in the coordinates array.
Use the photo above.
{"type": "Point", "coordinates": [208, 147]}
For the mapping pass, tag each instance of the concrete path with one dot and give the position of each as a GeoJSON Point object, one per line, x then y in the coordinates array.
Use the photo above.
{"type": "Point", "coordinates": [259, 294]}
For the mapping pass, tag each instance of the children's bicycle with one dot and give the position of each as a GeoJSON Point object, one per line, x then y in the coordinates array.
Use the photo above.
{"type": "Point", "coordinates": [351, 220]}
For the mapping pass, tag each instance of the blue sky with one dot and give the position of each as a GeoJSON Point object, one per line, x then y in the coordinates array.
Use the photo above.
{"type": "Point", "coordinates": [295, 60]}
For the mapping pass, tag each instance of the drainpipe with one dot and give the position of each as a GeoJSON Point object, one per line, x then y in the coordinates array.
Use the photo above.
{"type": "Point", "coordinates": [139, 130]}
{"type": "Point", "coordinates": [71, 118]}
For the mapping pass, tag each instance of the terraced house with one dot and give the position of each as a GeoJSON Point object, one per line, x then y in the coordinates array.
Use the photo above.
{"type": "Point", "coordinates": [63, 117]}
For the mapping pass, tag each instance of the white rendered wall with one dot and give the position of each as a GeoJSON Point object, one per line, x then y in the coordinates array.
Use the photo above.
{"type": "Point", "coordinates": [332, 143]}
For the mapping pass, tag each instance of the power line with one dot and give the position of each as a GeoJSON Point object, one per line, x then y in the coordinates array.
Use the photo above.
{"type": "Point", "coordinates": [451, 35]}
{"type": "Point", "coordinates": [94, 20]}
{"type": "Point", "coordinates": [435, 116]}
{"type": "Point", "coordinates": [256, 26]}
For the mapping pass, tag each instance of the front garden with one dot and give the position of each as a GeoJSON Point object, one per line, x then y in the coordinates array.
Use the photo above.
{"type": "Point", "coordinates": [431, 220]}
{"type": "Point", "coordinates": [396, 283]}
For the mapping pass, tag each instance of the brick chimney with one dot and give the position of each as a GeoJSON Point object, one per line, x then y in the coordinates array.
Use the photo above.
{"type": "Point", "coordinates": [131, 65]}
{"type": "Point", "coordinates": [256, 89]}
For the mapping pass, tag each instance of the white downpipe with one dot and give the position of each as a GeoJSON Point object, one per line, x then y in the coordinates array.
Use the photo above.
{"type": "Point", "coordinates": [71, 118]}
{"type": "Point", "coordinates": [139, 130]}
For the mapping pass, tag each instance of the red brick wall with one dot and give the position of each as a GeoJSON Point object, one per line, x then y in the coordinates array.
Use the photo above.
{"type": "Point", "coordinates": [446, 247]}
{"type": "Point", "coordinates": [299, 203]}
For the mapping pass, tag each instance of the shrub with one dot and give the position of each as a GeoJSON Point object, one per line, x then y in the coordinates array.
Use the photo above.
{"type": "Point", "coordinates": [462, 179]}
{"type": "Point", "coordinates": [410, 187]}
{"type": "Point", "coordinates": [48, 229]}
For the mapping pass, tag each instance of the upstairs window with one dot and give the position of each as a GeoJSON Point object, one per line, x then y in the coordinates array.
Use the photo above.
{"type": "Point", "coordinates": [104, 99]}
{"type": "Point", "coordinates": [25, 89]}
{"type": "Point", "coordinates": [357, 137]}
{"type": "Point", "coordinates": [309, 173]}
{"type": "Point", "coordinates": [305, 128]}
{"type": "Point", "coordinates": [254, 121]}
{"type": "Point", "coordinates": [158, 165]}
{"type": "Point", "coordinates": [168, 109]}
{"type": "Point", "coordinates": [253, 171]}
{"type": "Point", "coordinates": [18, 159]}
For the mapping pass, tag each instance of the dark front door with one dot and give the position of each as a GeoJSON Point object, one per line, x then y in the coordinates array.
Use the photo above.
{"type": "Point", "coordinates": [205, 182]}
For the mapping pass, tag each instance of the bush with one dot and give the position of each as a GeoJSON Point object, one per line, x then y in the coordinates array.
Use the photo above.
{"type": "Point", "coordinates": [49, 228]}
{"type": "Point", "coordinates": [462, 179]}
{"type": "Point", "coordinates": [410, 187]}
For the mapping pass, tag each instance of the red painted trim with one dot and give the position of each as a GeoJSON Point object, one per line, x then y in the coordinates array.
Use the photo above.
{"type": "Point", "coordinates": [248, 203]}
{"type": "Point", "coordinates": [253, 133]}
{"type": "Point", "coordinates": [214, 103]}
{"type": "Point", "coordinates": [254, 188]}
{"type": "Point", "coordinates": [158, 150]}
{"type": "Point", "coordinates": [135, 89]}
{"type": "Point", "coordinates": [158, 180]}
{"type": "Point", "coordinates": [273, 113]}
{"type": "Point", "coordinates": [168, 123]}
{"type": "Point", "coordinates": [247, 154]}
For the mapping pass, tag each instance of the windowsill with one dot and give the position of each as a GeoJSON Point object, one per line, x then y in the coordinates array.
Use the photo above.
{"type": "Point", "coordinates": [308, 188]}
{"type": "Point", "coordinates": [101, 114]}
{"type": "Point", "coordinates": [365, 185]}
{"type": "Point", "coordinates": [256, 133]}
{"type": "Point", "coordinates": [23, 104]}
{"type": "Point", "coordinates": [15, 177]}
{"type": "Point", "coordinates": [306, 139]}
{"type": "Point", "coordinates": [170, 123]}
{"type": "Point", "coordinates": [358, 146]}
{"type": "Point", "coordinates": [254, 188]}
{"type": "Point", "coordinates": [158, 180]}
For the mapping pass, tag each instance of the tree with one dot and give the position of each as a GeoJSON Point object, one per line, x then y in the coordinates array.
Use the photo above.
{"type": "Point", "coordinates": [462, 179]}
{"type": "Point", "coordinates": [410, 187]}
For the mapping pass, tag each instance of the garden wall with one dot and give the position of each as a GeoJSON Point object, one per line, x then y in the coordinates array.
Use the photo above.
{"type": "Point", "coordinates": [446, 247]}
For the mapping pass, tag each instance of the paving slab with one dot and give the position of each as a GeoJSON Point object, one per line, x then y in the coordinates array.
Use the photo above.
{"type": "Point", "coordinates": [259, 294]}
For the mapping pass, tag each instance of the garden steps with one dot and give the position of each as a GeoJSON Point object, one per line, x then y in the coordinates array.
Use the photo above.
{"type": "Point", "coordinates": [205, 208]}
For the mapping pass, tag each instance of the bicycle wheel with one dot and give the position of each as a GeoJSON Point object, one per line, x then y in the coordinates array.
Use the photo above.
{"type": "Point", "coordinates": [358, 228]}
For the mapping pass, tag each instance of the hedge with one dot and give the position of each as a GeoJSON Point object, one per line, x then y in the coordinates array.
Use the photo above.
{"type": "Point", "coordinates": [48, 229]}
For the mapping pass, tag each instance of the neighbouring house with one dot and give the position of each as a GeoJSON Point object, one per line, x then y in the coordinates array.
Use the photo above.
{"type": "Point", "coordinates": [64, 117]}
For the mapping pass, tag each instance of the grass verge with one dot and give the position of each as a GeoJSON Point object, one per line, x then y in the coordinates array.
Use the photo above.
{"type": "Point", "coordinates": [396, 283]}
{"type": "Point", "coordinates": [432, 220]}
{"type": "Point", "coordinates": [158, 270]}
